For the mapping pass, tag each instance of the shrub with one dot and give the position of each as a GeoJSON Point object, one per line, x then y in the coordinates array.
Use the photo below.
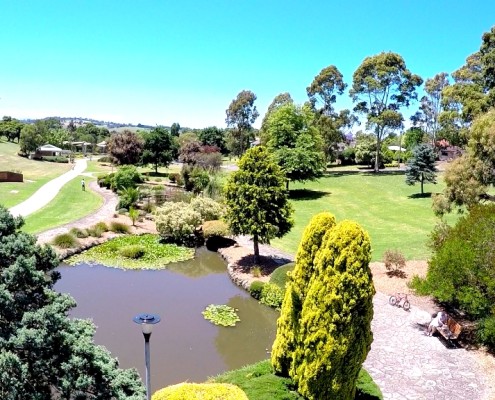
{"type": "Point", "coordinates": [127, 177]}
{"type": "Point", "coordinates": [133, 215]}
{"type": "Point", "coordinates": [215, 228]}
{"type": "Point", "coordinates": [200, 391]}
{"type": "Point", "coordinates": [102, 226]}
{"type": "Point", "coordinates": [272, 295]}
{"type": "Point", "coordinates": [95, 231]}
{"type": "Point", "coordinates": [106, 159]}
{"type": "Point", "coordinates": [394, 262]}
{"type": "Point", "coordinates": [208, 208]}
{"type": "Point", "coordinates": [173, 176]}
{"type": "Point", "coordinates": [181, 196]}
{"type": "Point", "coordinates": [177, 222]}
{"type": "Point", "coordinates": [65, 241]}
{"type": "Point", "coordinates": [256, 271]}
{"type": "Point", "coordinates": [280, 275]}
{"type": "Point", "coordinates": [195, 179]}
{"type": "Point", "coordinates": [134, 251]}
{"type": "Point", "coordinates": [128, 197]}
{"type": "Point", "coordinates": [486, 332]}
{"type": "Point", "coordinates": [57, 159]}
{"type": "Point", "coordinates": [106, 180]}
{"type": "Point", "coordinates": [119, 227]}
{"type": "Point", "coordinates": [255, 289]}
{"type": "Point", "coordinates": [79, 233]}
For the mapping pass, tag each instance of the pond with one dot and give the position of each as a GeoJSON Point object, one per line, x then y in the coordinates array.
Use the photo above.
{"type": "Point", "coordinates": [184, 346]}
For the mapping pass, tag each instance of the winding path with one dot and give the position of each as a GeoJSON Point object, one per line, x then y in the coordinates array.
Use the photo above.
{"type": "Point", "coordinates": [406, 364]}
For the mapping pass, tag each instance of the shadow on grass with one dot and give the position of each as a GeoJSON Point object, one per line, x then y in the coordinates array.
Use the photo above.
{"type": "Point", "coordinates": [420, 195]}
{"type": "Point", "coordinates": [365, 172]}
{"type": "Point", "coordinates": [153, 173]}
{"type": "Point", "coordinates": [306, 194]}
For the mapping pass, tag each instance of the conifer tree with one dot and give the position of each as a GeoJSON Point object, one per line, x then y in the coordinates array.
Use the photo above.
{"type": "Point", "coordinates": [296, 290]}
{"type": "Point", "coordinates": [421, 166]}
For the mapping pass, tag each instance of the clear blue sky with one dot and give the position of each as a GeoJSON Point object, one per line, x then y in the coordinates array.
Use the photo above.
{"type": "Point", "coordinates": [159, 62]}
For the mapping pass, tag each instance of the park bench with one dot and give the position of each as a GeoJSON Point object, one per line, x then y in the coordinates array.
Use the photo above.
{"type": "Point", "coordinates": [451, 330]}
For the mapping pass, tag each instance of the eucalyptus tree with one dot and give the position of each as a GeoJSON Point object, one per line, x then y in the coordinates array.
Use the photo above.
{"type": "Point", "coordinates": [241, 114]}
{"type": "Point", "coordinates": [381, 86]}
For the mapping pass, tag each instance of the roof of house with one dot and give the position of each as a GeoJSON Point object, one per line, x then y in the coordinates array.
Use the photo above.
{"type": "Point", "coordinates": [49, 147]}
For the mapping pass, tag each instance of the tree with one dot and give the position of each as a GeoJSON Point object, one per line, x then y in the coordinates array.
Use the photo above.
{"type": "Point", "coordinates": [288, 324]}
{"type": "Point", "coordinates": [213, 136]}
{"type": "Point", "coordinates": [30, 139]}
{"type": "Point", "coordinates": [175, 129]}
{"type": "Point", "coordinates": [296, 143]}
{"type": "Point", "coordinates": [381, 86]}
{"type": "Point", "coordinates": [421, 166]}
{"type": "Point", "coordinates": [257, 203]}
{"type": "Point", "coordinates": [324, 330]}
{"type": "Point", "coordinates": [44, 353]}
{"type": "Point", "coordinates": [159, 148]}
{"type": "Point", "coordinates": [279, 100]}
{"type": "Point", "coordinates": [325, 87]}
{"type": "Point", "coordinates": [126, 147]}
{"type": "Point", "coordinates": [11, 128]}
{"type": "Point", "coordinates": [241, 114]}
{"type": "Point", "coordinates": [413, 137]}
{"type": "Point", "coordinates": [469, 177]}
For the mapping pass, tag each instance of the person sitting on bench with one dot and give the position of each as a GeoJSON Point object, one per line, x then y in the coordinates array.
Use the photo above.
{"type": "Point", "coordinates": [439, 322]}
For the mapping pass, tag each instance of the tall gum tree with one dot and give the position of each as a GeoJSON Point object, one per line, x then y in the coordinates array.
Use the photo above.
{"type": "Point", "coordinates": [381, 86]}
{"type": "Point", "coordinates": [241, 114]}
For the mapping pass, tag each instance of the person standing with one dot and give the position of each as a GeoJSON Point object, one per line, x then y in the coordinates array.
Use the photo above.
{"type": "Point", "coordinates": [83, 185]}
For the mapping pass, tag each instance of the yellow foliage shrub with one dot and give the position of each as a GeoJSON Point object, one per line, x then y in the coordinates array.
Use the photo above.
{"type": "Point", "coordinates": [200, 391]}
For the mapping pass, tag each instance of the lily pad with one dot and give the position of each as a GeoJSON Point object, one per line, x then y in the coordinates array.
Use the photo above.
{"type": "Point", "coordinates": [220, 314]}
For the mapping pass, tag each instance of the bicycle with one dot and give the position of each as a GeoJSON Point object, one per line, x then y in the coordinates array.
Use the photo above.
{"type": "Point", "coordinates": [397, 298]}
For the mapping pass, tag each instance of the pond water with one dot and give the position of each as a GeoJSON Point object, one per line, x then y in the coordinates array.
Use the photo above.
{"type": "Point", "coordinates": [184, 346]}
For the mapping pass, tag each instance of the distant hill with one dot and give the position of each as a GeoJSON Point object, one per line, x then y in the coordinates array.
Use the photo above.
{"type": "Point", "coordinates": [81, 121]}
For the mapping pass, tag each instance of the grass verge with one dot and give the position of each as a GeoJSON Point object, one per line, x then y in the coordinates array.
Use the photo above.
{"type": "Point", "coordinates": [69, 205]}
{"type": "Point", "coordinates": [155, 255]}
{"type": "Point", "coordinates": [259, 383]}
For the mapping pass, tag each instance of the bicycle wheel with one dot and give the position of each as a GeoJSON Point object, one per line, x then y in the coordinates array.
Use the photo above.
{"type": "Point", "coordinates": [392, 300]}
{"type": "Point", "coordinates": [406, 306]}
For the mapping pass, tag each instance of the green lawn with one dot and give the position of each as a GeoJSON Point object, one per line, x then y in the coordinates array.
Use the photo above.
{"type": "Point", "coordinates": [69, 205]}
{"type": "Point", "coordinates": [382, 203]}
{"type": "Point", "coordinates": [36, 174]}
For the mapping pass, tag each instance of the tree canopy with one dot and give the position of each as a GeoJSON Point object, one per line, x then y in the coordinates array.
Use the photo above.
{"type": "Point", "coordinates": [159, 148]}
{"type": "Point", "coordinates": [382, 84]}
{"type": "Point", "coordinates": [44, 354]}
{"type": "Point", "coordinates": [241, 114]}
{"type": "Point", "coordinates": [256, 199]}
{"type": "Point", "coordinates": [126, 147]}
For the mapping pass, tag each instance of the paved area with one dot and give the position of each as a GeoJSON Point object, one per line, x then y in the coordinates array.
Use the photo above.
{"type": "Point", "coordinates": [48, 191]}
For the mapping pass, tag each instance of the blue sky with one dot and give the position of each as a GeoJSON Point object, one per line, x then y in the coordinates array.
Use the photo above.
{"type": "Point", "coordinates": [158, 62]}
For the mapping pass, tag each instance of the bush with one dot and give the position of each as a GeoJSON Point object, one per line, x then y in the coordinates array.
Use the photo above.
{"type": "Point", "coordinates": [255, 289]}
{"type": "Point", "coordinates": [272, 295]}
{"type": "Point", "coordinates": [394, 262]}
{"type": "Point", "coordinates": [173, 176]}
{"type": "Point", "coordinates": [106, 180]}
{"type": "Point", "coordinates": [119, 227]}
{"type": "Point", "coordinates": [57, 159]}
{"type": "Point", "coordinates": [280, 275]}
{"type": "Point", "coordinates": [65, 241]}
{"type": "Point", "coordinates": [195, 179]}
{"type": "Point", "coordinates": [128, 197]}
{"type": "Point", "coordinates": [366, 388]}
{"type": "Point", "coordinates": [134, 251]}
{"type": "Point", "coordinates": [102, 226]}
{"type": "Point", "coordinates": [486, 332]}
{"type": "Point", "coordinates": [96, 231]}
{"type": "Point", "coordinates": [348, 156]}
{"type": "Point", "coordinates": [177, 222]}
{"type": "Point", "coordinates": [79, 233]}
{"type": "Point", "coordinates": [200, 391]}
{"type": "Point", "coordinates": [215, 228]}
{"type": "Point", "coordinates": [106, 159]}
{"type": "Point", "coordinates": [209, 209]}
{"type": "Point", "coordinates": [127, 177]}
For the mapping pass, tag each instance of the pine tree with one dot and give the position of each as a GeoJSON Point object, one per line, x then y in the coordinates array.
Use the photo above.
{"type": "Point", "coordinates": [421, 166]}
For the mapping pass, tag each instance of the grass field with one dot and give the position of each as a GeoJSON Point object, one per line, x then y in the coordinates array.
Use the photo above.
{"type": "Point", "coordinates": [36, 174]}
{"type": "Point", "coordinates": [69, 205]}
{"type": "Point", "coordinates": [391, 211]}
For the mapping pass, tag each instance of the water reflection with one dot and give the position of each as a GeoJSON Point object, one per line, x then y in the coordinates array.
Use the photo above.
{"type": "Point", "coordinates": [184, 346]}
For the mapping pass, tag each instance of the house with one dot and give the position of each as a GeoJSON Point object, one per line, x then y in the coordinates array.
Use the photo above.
{"type": "Point", "coordinates": [48, 150]}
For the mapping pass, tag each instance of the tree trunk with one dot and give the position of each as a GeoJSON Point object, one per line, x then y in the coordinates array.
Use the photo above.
{"type": "Point", "coordinates": [287, 185]}
{"type": "Point", "coordinates": [256, 249]}
{"type": "Point", "coordinates": [422, 179]}
{"type": "Point", "coordinates": [377, 154]}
